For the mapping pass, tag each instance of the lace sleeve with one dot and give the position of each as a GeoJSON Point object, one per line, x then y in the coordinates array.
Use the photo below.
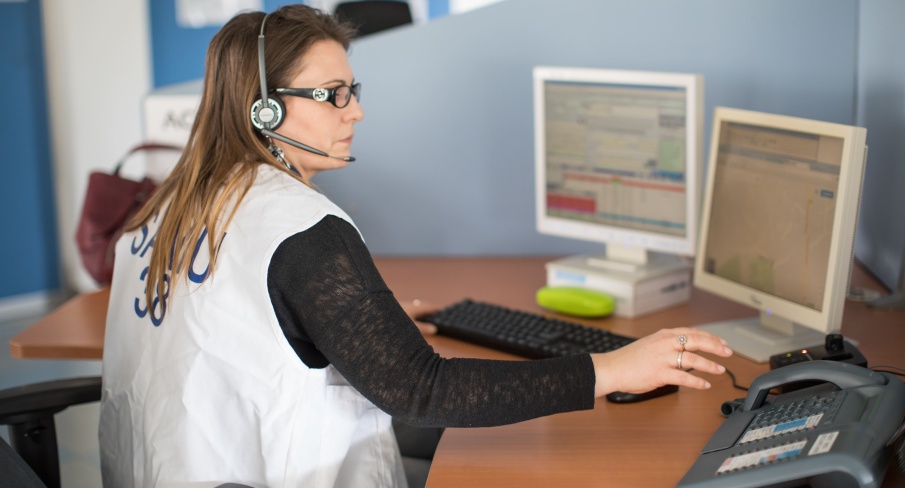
{"type": "Point", "coordinates": [335, 309]}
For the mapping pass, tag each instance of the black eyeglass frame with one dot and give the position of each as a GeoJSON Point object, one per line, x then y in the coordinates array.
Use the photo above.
{"type": "Point", "coordinates": [323, 94]}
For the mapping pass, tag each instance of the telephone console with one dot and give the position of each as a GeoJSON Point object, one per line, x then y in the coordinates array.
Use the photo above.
{"type": "Point", "coordinates": [835, 348]}
{"type": "Point", "coordinates": [838, 433]}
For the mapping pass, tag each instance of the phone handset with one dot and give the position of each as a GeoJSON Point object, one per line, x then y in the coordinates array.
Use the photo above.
{"type": "Point", "coordinates": [843, 375]}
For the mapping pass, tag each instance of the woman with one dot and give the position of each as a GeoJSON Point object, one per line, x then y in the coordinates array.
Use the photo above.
{"type": "Point", "coordinates": [250, 338]}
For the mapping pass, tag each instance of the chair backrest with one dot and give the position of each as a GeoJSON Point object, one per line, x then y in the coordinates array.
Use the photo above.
{"type": "Point", "coordinates": [32, 461]}
{"type": "Point", "coordinates": [28, 412]}
{"type": "Point", "coordinates": [372, 16]}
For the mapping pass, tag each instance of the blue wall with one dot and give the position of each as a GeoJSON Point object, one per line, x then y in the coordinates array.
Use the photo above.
{"type": "Point", "coordinates": [437, 8]}
{"type": "Point", "coordinates": [178, 52]}
{"type": "Point", "coordinates": [28, 236]}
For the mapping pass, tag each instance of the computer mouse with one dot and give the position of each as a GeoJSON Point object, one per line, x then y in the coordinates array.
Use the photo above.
{"type": "Point", "coordinates": [622, 397]}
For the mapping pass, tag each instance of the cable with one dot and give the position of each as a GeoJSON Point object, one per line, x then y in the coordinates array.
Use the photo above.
{"type": "Point", "coordinates": [734, 383]}
{"type": "Point", "coordinates": [887, 369]}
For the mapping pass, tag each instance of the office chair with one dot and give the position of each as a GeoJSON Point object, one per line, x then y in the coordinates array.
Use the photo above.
{"type": "Point", "coordinates": [31, 459]}
{"type": "Point", "coordinates": [372, 16]}
{"type": "Point", "coordinates": [14, 471]}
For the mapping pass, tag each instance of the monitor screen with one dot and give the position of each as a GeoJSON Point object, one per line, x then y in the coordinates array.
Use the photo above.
{"type": "Point", "coordinates": [617, 159]}
{"type": "Point", "coordinates": [778, 227]}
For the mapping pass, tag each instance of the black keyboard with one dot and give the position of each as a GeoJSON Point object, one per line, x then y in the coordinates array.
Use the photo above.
{"type": "Point", "coordinates": [530, 335]}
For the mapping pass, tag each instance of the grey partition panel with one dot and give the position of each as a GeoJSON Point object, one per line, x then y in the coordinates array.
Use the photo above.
{"type": "Point", "coordinates": [446, 149]}
{"type": "Point", "coordinates": [880, 243]}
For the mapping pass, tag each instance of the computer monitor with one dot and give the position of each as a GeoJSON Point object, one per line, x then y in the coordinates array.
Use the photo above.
{"type": "Point", "coordinates": [618, 161]}
{"type": "Point", "coordinates": [778, 227]}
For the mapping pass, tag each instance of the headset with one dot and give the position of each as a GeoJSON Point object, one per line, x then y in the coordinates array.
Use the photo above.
{"type": "Point", "coordinates": [268, 113]}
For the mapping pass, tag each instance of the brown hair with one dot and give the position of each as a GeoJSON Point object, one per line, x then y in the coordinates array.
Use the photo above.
{"type": "Point", "coordinates": [217, 168]}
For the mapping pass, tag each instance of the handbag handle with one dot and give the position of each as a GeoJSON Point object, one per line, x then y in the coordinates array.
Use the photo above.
{"type": "Point", "coordinates": [146, 146]}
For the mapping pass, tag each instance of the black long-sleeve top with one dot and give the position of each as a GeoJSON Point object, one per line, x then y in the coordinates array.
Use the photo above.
{"type": "Point", "coordinates": [334, 308]}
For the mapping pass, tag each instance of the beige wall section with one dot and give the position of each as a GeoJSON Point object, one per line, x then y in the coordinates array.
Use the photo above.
{"type": "Point", "coordinates": [98, 71]}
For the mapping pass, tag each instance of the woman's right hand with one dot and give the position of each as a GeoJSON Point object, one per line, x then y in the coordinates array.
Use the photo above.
{"type": "Point", "coordinates": [659, 359]}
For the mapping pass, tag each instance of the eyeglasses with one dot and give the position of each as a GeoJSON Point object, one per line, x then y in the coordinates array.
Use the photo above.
{"type": "Point", "coordinates": [339, 96]}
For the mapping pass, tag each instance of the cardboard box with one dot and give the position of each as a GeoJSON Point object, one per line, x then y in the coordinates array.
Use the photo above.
{"type": "Point", "coordinates": [666, 284]}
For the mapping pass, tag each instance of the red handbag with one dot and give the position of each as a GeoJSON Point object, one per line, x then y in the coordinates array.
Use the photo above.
{"type": "Point", "coordinates": [110, 201]}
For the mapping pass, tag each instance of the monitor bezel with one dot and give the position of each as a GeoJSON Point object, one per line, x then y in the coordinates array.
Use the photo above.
{"type": "Point", "coordinates": [840, 260]}
{"type": "Point", "coordinates": [693, 84]}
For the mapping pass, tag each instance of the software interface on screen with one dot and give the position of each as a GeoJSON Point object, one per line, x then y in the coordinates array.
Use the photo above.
{"type": "Point", "coordinates": [615, 155]}
{"type": "Point", "coordinates": [618, 161]}
{"type": "Point", "coordinates": [772, 210]}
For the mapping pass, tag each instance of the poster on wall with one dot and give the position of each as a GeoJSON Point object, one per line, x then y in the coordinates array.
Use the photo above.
{"type": "Point", "coordinates": [208, 13]}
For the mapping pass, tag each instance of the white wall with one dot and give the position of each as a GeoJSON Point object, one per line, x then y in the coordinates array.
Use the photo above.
{"type": "Point", "coordinates": [98, 70]}
{"type": "Point", "coordinates": [462, 6]}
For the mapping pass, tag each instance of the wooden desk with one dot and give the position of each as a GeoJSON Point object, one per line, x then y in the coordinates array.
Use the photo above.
{"type": "Point", "coordinates": [649, 444]}
{"type": "Point", "coordinates": [74, 330]}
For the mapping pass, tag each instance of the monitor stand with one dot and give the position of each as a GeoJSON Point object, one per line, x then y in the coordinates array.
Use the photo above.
{"type": "Point", "coordinates": [633, 260]}
{"type": "Point", "coordinates": [758, 338]}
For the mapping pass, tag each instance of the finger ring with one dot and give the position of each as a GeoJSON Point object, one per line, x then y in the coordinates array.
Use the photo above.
{"type": "Point", "coordinates": [682, 341]}
{"type": "Point", "coordinates": [679, 360]}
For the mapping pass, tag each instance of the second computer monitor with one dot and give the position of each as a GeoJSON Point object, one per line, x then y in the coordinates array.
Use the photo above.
{"type": "Point", "coordinates": [618, 161]}
{"type": "Point", "coordinates": [778, 227]}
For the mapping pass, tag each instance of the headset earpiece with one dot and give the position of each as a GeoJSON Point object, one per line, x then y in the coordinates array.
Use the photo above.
{"type": "Point", "coordinates": [269, 117]}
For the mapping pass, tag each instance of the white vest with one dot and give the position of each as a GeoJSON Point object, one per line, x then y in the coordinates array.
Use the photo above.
{"type": "Point", "coordinates": [209, 390]}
